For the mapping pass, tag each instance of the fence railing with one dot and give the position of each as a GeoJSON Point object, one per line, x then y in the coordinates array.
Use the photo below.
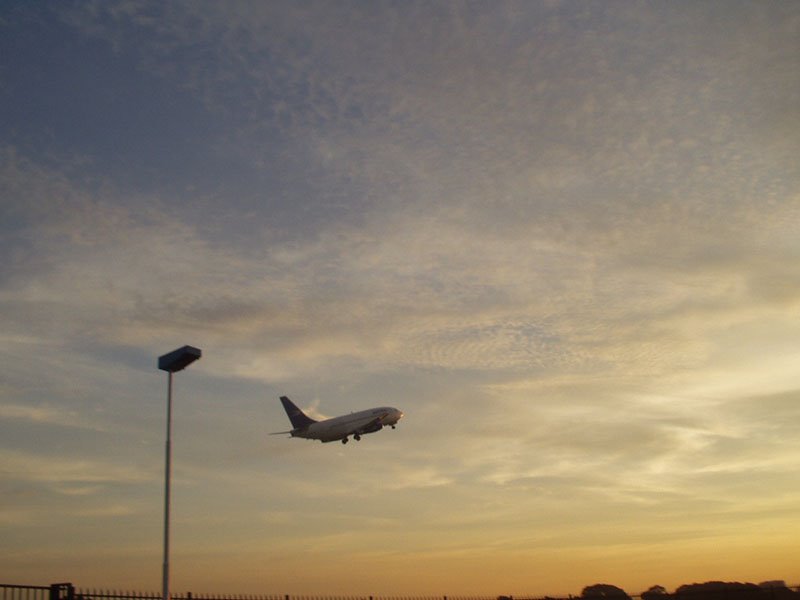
{"type": "Point", "coordinates": [24, 592]}
{"type": "Point", "coordinates": [86, 594]}
{"type": "Point", "coordinates": [66, 591]}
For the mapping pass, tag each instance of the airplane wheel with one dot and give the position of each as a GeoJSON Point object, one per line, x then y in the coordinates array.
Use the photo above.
{"type": "Point", "coordinates": [344, 440]}
{"type": "Point", "coordinates": [357, 438]}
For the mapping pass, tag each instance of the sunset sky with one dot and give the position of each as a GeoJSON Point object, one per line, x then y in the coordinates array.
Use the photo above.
{"type": "Point", "coordinates": [562, 237]}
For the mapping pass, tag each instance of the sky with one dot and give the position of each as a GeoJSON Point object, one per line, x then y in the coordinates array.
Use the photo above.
{"type": "Point", "coordinates": [561, 237]}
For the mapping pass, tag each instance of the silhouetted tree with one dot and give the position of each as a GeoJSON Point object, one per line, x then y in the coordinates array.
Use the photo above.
{"type": "Point", "coordinates": [603, 591]}
{"type": "Point", "coordinates": [720, 590]}
{"type": "Point", "coordinates": [777, 590]}
{"type": "Point", "coordinates": [656, 592]}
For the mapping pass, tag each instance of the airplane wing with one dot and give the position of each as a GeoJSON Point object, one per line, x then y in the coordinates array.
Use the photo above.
{"type": "Point", "coordinates": [374, 425]}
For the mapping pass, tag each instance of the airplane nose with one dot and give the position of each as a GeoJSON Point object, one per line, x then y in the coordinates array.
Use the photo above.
{"type": "Point", "coordinates": [391, 417]}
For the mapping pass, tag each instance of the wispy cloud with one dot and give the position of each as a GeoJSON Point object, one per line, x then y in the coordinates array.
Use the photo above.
{"type": "Point", "coordinates": [561, 238]}
{"type": "Point", "coordinates": [49, 469]}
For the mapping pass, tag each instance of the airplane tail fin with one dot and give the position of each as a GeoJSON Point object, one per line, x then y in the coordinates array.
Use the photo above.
{"type": "Point", "coordinates": [298, 418]}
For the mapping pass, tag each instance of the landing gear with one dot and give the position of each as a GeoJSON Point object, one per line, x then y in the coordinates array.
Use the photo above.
{"type": "Point", "coordinates": [344, 440]}
{"type": "Point", "coordinates": [393, 427]}
{"type": "Point", "coordinates": [357, 437]}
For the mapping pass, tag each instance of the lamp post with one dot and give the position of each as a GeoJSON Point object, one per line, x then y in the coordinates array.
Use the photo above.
{"type": "Point", "coordinates": [172, 362]}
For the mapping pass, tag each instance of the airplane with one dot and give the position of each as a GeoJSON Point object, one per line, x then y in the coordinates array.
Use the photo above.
{"type": "Point", "coordinates": [338, 428]}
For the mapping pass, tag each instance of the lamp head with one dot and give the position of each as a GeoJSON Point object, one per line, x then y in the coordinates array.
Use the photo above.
{"type": "Point", "coordinates": [179, 359]}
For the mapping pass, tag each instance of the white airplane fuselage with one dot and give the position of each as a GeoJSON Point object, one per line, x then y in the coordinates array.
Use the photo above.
{"type": "Point", "coordinates": [340, 428]}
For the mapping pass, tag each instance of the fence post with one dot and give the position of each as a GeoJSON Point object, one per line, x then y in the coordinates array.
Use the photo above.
{"type": "Point", "coordinates": [55, 591]}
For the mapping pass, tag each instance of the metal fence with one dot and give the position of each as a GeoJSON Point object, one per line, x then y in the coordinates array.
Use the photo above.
{"type": "Point", "coordinates": [86, 594]}
{"type": "Point", "coordinates": [66, 591]}
{"type": "Point", "coordinates": [24, 592]}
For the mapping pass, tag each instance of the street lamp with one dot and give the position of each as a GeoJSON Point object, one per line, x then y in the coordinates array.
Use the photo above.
{"type": "Point", "coordinates": [174, 361]}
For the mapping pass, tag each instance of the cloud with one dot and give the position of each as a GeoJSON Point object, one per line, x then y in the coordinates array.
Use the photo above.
{"type": "Point", "coordinates": [50, 415]}
{"type": "Point", "coordinates": [562, 240]}
{"type": "Point", "coordinates": [49, 469]}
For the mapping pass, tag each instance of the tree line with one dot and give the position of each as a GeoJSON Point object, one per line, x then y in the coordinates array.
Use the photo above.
{"type": "Point", "coordinates": [710, 590]}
